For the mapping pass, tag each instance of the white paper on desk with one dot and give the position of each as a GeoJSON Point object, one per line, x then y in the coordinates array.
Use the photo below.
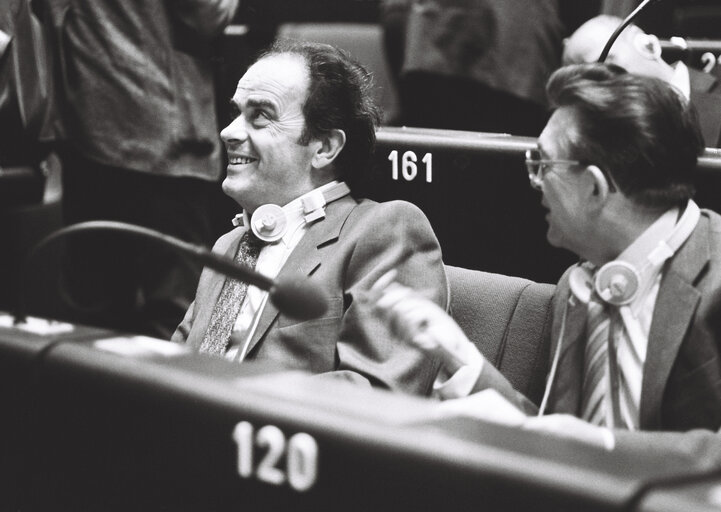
{"type": "Point", "coordinates": [139, 346]}
{"type": "Point", "coordinates": [487, 405]}
{"type": "Point", "coordinates": [39, 326]}
{"type": "Point", "coordinates": [4, 42]}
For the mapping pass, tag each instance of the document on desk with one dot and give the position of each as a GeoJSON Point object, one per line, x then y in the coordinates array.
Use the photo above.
{"type": "Point", "coordinates": [34, 325]}
{"type": "Point", "coordinates": [487, 405]}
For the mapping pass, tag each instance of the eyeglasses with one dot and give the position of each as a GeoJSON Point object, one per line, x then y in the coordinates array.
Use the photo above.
{"type": "Point", "coordinates": [538, 167]}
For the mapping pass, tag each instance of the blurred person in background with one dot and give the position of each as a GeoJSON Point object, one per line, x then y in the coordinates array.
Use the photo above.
{"type": "Point", "coordinates": [639, 52]}
{"type": "Point", "coordinates": [140, 145]}
{"type": "Point", "coordinates": [477, 65]}
{"type": "Point", "coordinates": [29, 169]}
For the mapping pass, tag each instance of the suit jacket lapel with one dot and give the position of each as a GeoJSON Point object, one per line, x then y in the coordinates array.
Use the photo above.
{"type": "Point", "coordinates": [566, 389]}
{"type": "Point", "coordinates": [675, 306]}
{"type": "Point", "coordinates": [305, 258]}
{"type": "Point", "coordinates": [206, 304]}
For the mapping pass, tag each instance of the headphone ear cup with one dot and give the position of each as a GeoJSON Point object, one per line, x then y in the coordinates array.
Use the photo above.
{"type": "Point", "coordinates": [269, 222]}
{"type": "Point", "coordinates": [617, 282]}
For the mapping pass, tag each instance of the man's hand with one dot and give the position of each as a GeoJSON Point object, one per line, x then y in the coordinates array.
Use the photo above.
{"type": "Point", "coordinates": [570, 427]}
{"type": "Point", "coordinates": [487, 405]}
{"type": "Point", "coordinates": [419, 321]}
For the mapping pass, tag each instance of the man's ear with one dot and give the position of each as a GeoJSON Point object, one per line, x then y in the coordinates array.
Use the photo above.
{"type": "Point", "coordinates": [330, 147]}
{"type": "Point", "coordinates": [599, 183]}
{"type": "Point", "coordinates": [648, 45]}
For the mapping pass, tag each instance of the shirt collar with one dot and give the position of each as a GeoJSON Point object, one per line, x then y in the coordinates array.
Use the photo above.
{"type": "Point", "coordinates": [681, 79]}
{"type": "Point", "coordinates": [294, 210]}
{"type": "Point", "coordinates": [646, 254]}
{"type": "Point", "coordinates": [641, 248]}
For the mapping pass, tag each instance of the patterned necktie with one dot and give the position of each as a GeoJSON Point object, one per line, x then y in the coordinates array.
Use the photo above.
{"type": "Point", "coordinates": [586, 380]}
{"type": "Point", "coordinates": [231, 298]}
{"type": "Point", "coordinates": [606, 373]}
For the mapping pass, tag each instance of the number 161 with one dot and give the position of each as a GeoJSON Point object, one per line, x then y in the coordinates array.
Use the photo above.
{"type": "Point", "coordinates": [408, 166]}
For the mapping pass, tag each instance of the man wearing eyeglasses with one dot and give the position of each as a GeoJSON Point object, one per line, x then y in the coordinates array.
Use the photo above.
{"type": "Point", "coordinates": [635, 338]}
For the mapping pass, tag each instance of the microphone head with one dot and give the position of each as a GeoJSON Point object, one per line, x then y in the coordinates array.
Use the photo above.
{"type": "Point", "coordinates": [298, 298]}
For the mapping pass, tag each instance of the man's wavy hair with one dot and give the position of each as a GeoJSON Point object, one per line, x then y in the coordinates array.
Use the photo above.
{"type": "Point", "coordinates": [339, 97]}
{"type": "Point", "coordinates": [639, 130]}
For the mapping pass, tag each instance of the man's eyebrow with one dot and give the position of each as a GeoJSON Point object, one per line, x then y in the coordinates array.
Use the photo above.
{"type": "Point", "coordinates": [261, 103]}
{"type": "Point", "coordinates": [253, 103]}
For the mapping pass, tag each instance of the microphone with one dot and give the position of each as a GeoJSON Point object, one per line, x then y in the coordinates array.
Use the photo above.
{"type": "Point", "coordinates": [294, 296]}
{"type": "Point", "coordinates": [626, 22]}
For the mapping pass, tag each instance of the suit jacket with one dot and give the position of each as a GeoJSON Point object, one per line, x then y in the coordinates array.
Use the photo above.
{"type": "Point", "coordinates": [706, 98]}
{"type": "Point", "coordinates": [681, 387]}
{"type": "Point", "coordinates": [345, 253]}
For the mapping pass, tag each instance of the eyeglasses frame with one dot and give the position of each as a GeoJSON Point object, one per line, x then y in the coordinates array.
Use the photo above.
{"type": "Point", "coordinates": [538, 168]}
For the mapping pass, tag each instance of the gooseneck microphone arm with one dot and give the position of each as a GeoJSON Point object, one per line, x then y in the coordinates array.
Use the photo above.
{"type": "Point", "coordinates": [296, 297]}
{"type": "Point", "coordinates": [626, 22]}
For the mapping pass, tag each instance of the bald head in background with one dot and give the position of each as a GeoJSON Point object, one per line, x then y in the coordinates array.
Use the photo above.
{"type": "Point", "coordinates": [634, 50]}
{"type": "Point", "coordinates": [640, 53]}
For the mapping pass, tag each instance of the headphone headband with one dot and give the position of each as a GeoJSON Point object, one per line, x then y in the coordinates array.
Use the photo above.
{"type": "Point", "coordinates": [270, 221]}
{"type": "Point", "coordinates": [618, 282]}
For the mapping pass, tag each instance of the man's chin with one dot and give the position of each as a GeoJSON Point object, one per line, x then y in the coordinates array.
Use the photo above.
{"type": "Point", "coordinates": [232, 190]}
{"type": "Point", "coordinates": [558, 241]}
{"type": "Point", "coordinates": [552, 239]}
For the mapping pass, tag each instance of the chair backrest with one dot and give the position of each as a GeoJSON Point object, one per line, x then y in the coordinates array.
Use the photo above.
{"type": "Point", "coordinates": [508, 319]}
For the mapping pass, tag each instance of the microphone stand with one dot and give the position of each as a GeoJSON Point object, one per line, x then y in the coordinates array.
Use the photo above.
{"type": "Point", "coordinates": [296, 297]}
{"type": "Point", "coordinates": [626, 22]}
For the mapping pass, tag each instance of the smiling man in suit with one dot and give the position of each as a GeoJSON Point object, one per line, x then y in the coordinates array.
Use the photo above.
{"type": "Point", "coordinates": [304, 126]}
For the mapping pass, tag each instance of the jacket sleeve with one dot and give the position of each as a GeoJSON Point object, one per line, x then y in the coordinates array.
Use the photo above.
{"type": "Point", "coordinates": [491, 378]}
{"type": "Point", "coordinates": [700, 448]}
{"type": "Point", "coordinates": [207, 17]}
{"type": "Point", "coordinates": [394, 235]}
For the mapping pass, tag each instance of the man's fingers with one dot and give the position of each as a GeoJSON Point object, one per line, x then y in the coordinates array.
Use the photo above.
{"type": "Point", "coordinates": [384, 280]}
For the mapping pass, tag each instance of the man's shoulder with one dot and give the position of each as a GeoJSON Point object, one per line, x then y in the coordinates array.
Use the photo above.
{"type": "Point", "coordinates": [713, 218]}
{"type": "Point", "coordinates": [700, 81]}
{"type": "Point", "coordinates": [394, 216]}
{"type": "Point", "coordinates": [386, 223]}
{"type": "Point", "coordinates": [709, 229]}
{"type": "Point", "coordinates": [700, 255]}
{"type": "Point", "coordinates": [384, 210]}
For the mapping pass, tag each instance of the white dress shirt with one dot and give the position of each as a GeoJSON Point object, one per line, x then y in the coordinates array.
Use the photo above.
{"type": "Point", "coordinates": [271, 259]}
{"type": "Point", "coordinates": [681, 79]}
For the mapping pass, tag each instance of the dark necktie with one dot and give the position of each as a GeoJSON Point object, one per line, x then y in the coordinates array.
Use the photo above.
{"type": "Point", "coordinates": [231, 298]}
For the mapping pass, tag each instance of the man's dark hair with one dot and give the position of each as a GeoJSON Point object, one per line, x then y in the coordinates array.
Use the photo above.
{"type": "Point", "coordinates": [339, 97]}
{"type": "Point", "coordinates": [639, 130]}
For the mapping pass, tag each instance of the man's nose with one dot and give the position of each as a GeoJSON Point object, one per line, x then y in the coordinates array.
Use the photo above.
{"type": "Point", "coordinates": [235, 132]}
